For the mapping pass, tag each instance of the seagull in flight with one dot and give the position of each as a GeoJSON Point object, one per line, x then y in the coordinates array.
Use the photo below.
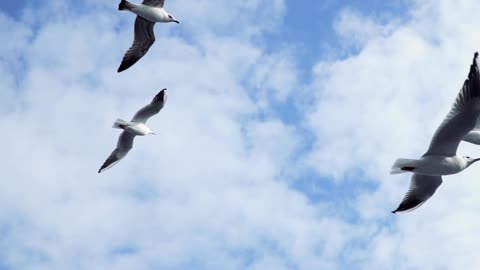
{"type": "Point", "coordinates": [133, 128]}
{"type": "Point", "coordinates": [441, 158]}
{"type": "Point", "coordinates": [148, 13]}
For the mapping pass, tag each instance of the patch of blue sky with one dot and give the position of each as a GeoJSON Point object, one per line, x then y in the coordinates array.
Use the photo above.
{"type": "Point", "coordinates": [142, 191]}
{"type": "Point", "coordinates": [13, 8]}
{"type": "Point", "coordinates": [307, 32]}
{"type": "Point", "coordinates": [246, 256]}
{"type": "Point", "coordinates": [308, 28]}
{"type": "Point", "coordinates": [339, 194]}
{"type": "Point", "coordinates": [3, 234]}
{"type": "Point", "coordinates": [124, 250]}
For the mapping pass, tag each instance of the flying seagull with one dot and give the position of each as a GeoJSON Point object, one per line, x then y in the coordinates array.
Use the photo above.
{"type": "Point", "coordinates": [440, 158]}
{"type": "Point", "coordinates": [148, 13]}
{"type": "Point", "coordinates": [133, 128]}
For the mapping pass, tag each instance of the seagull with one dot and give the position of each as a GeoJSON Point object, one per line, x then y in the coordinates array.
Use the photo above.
{"type": "Point", "coordinates": [148, 13]}
{"type": "Point", "coordinates": [440, 158]}
{"type": "Point", "coordinates": [133, 128]}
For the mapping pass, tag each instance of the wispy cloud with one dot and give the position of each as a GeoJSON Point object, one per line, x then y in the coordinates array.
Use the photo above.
{"type": "Point", "coordinates": [232, 181]}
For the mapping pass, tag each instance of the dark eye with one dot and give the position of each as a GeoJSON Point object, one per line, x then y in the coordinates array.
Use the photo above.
{"type": "Point", "coordinates": [170, 16]}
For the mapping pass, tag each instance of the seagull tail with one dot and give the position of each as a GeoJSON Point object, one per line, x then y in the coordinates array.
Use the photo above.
{"type": "Point", "coordinates": [403, 165]}
{"type": "Point", "coordinates": [125, 5]}
{"type": "Point", "coordinates": [120, 124]}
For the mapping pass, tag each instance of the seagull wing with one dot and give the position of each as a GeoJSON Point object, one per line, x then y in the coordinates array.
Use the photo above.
{"type": "Point", "coordinates": [124, 144]}
{"type": "Point", "coordinates": [154, 3]}
{"type": "Point", "coordinates": [422, 187]}
{"type": "Point", "coordinates": [474, 135]}
{"type": "Point", "coordinates": [462, 117]}
{"type": "Point", "coordinates": [151, 109]}
{"type": "Point", "coordinates": [143, 40]}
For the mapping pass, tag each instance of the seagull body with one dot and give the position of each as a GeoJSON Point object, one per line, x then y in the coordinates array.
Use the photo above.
{"type": "Point", "coordinates": [153, 11]}
{"type": "Point", "coordinates": [148, 13]}
{"type": "Point", "coordinates": [135, 127]}
{"type": "Point", "coordinates": [441, 158]}
{"type": "Point", "coordinates": [433, 165]}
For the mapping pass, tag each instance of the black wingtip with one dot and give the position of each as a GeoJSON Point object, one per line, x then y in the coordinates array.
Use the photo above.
{"type": "Point", "coordinates": [474, 68]}
{"type": "Point", "coordinates": [160, 96]}
{"type": "Point", "coordinates": [122, 5]}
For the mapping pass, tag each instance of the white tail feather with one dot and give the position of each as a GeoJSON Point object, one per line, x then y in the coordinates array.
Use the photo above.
{"type": "Point", "coordinates": [401, 163]}
{"type": "Point", "coordinates": [121, 124]}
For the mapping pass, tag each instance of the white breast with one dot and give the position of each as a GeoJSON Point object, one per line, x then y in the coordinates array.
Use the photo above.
{"type": "Point", "coordinates": [138, 129]}
{"type": "Point", "coordinates": [440, 165]}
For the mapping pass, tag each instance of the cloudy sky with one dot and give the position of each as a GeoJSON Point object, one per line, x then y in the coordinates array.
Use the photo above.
{"type": "Point", "coordinates": [273, 150]}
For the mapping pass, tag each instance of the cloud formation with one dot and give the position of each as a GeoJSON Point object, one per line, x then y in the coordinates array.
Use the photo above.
{"type": "Point", "coordinates": [386, 102]}
{"type": "Point", "coordinates": [226, 183]}
{"type": "Point", "coordinates": [207, 193]}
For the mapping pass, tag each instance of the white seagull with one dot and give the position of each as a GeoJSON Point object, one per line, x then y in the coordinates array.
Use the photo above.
{"type": "Point", "coordinates": [133, 128]}
{"type": "Point", "coordinates": [148, 13]}
{"type": "Point", "coordinates": [440, 158]}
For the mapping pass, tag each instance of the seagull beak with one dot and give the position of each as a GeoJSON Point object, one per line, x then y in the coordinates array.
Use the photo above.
{"type": "Point", "coordinates": [177, 22]}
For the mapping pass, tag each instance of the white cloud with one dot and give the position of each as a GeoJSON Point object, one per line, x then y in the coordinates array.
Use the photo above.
{"type": "Point", "coordinates": [386, 102]}
{"type": "Point", "coordinates": [356, 29]}
{"type": "Point", "coordinates": [208, 192]}
{"type": "Point", "coordinates": [212, 189]}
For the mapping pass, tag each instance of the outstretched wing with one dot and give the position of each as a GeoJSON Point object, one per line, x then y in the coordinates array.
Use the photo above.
{"type": "Point", "coordinates": [462, 117]}
{"type": "Point", "coordinates": [143, 40]}
{"type": "Point", "coordinates": [151, 109]}
{"type": "Point", "coordinates": [154, 3]}
{"type": "Point", "coordinates": [124, 144]}
{"type": "Point", "coordinates": [422, 187]}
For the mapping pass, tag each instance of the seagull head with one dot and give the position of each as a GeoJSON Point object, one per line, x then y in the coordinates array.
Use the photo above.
{"type": "Point", "coordinates": [172, 19]}
{"type": "Point", "coordinates": [470, 160]}
{"type": "Point", "coordinates": [149, 131]}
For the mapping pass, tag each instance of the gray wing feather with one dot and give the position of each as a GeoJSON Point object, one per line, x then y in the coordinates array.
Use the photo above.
{"type": "Point", "coordinates": [461, 119]}
{"type": "Point", "coordinates": [422, 187]}
{"type": "Point", "coordinates": [154, 3]}
{"type": "Point", "coordinates": [124, 144]}
{"type": "Point", "coordinates": [149, 110]}
{"type": "Point", "coordinates": [143, 40]}
{"type": "Point", "coordinates": [473, 136]}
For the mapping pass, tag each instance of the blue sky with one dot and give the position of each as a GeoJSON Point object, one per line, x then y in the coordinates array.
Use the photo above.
{"type": "Point", "coordinates": [308, 27]}
{"type": "Point", "coordinates": [273, 149]}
